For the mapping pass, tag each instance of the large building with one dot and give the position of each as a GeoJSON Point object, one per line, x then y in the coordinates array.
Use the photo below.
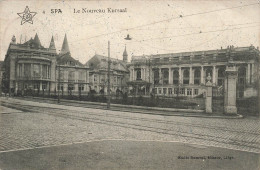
{"type": "Point", "coordinates": [184, 74]}
{"type": "Point", "coordinates": [32, 68]}
{"type": "Point", "coordinates": [98, 75]}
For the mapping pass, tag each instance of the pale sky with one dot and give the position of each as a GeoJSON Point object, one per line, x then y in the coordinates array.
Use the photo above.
{"type": "Point", "coordinates": [238, 27]}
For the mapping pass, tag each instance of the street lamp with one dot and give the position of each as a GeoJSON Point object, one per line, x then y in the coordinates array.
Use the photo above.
{"type": "Point", "coordinates": [108, 75]}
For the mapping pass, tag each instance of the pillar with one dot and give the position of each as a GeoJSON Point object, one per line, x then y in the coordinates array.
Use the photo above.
{"type": "Point", "coordinates": [230, 90]}
{"type": "Point", "coordinates": [248, 73]}
{"type": "Point", "coordinates": [160, 76]}
{"type": "Point", "coordinates": [202, 75]}
{"type": "Point", "coordinates": [170, 76]}
{"type": "Point", "coordinates": [180, 76]}
{"type": "Point", "coordinates": [191, 75]}
{"type": "Point", "coordinates": [214, 75]}
{"type": "Point", "coordinates": [208, 101]}
{"type": "Point", "coordinates": [252, 73]}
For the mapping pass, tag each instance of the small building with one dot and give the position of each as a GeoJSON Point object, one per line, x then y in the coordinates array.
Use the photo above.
{"type": "Point", "coordinates": [184, 74]}
{"type": "Point", "coordinates": [98, 74]}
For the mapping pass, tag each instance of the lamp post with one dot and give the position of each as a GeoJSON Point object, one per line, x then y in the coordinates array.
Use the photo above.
{"type": "Point", "coordinates": [108, 77]}
{"type": "Point", "coordinates": [58, 84]}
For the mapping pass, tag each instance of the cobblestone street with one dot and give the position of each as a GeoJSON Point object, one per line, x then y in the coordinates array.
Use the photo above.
{"type": "Point", "coordinates": [42, 125]}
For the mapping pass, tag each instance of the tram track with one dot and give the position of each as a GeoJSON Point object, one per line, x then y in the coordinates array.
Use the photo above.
{"type": "Point", "coordinates": [102, 120]}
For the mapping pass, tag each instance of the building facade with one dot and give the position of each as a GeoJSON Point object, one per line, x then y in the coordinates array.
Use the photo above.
{"type": "Point", "coordinates": [98, 75]}
{"type": "Point", "coordinates": [32, 68]}
{"type": "Point", "coordinates": [184, 74]}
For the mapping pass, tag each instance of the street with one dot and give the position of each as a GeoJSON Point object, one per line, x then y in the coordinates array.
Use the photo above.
{"type": "Point", "coordinates": [30, 129]}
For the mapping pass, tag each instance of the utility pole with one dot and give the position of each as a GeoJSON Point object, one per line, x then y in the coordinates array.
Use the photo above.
{"type": "Point", "coordinates": [58, 84]}
{"type": "Point", "coordinates": [108, 77]}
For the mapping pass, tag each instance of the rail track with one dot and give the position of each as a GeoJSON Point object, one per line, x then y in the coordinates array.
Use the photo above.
{"type": "Point", "coordinates": [124, 122]}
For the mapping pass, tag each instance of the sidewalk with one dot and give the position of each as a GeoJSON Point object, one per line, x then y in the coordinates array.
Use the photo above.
{"type": "Point", "coordinates": [127, 108]}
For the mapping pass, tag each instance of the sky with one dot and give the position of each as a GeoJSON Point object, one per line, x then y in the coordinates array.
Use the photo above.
{"type": "Point", "coordinates": [156, 27]}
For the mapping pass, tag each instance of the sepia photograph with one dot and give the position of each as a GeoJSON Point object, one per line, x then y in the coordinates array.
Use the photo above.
{"type": "Point", "coordinates": [128, 84]}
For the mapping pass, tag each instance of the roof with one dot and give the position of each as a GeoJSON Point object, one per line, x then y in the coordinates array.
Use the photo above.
{"type": "Point", "coordinates": [66, 59]}
{"type": "Point", "coordinates": [100, 62]}
{"type": "Point", "coordinates": [65, 46]}
{"type": "Point", "coordinates": [34, 43]}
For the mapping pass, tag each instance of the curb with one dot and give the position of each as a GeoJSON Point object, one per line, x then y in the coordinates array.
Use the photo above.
{"type": "Point", "coordinates": [199, 115]}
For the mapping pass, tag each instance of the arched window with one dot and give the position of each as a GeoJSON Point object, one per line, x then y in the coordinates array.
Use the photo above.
{"type": "Point", "coordinates": [197, 76]}
{"type": "Point", "coordinates": [175, 77]}
{"type": "Point", "coordinates": [186, 76]}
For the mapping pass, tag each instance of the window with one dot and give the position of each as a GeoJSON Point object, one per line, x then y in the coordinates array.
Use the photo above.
{"type": "Point", "coordinates": [170, 90]}
{"type": "Point", "coordinates": [165, 76]}
{"type": "Point", "coordinates": [186, 75]}
{"type": "Point", "coordinates": [221, 76]}
{"type": "Point", "coordinates": [138, 74]}
{"type": "Point", "coordinates": [36, 86]}
{"type": "Point", "coordinates": [81, 87]}
{"type": "Point", "coordinates": [197, 76]}
{"type": "Point", "coordinates": [60, 87]}
{"type": "Point", "coordinates": [182, 91]}
{"type": "Point", "coordinates": [175, 77]}
{"type": "Point", "coordinates": [71, 76]}
{"type": "Point", "coordinates": [95, 78]}
{"type": "Point", "coordinates": [70, 87]}
{"type": "Point", "coordinates": [115, 80]}
{"type": "Point", "coordinates": [156, 76]}
{"type": "Point", "coordinates": [176, 90]}
{"type": "Point", "coordinates": [44, 86]}
{"type": "Point", "coordinates": [44, 71]}
{"type": "Point", "coordinates": [20, 67]}
{"type": "Point", "coordinates": [27, 70]}
{"type": "Point", "coordinates": [164, 90]}
{"type": "Point", "coordinates": [196, 91]}
{"type": "Point", "coordinates": [159, 90]}
{"type": "Point", "coordinates": [81, 76]}
{"type": "Point", "coordinates": [155, 90]}
{"type": "Point", "coordinates": [189, 92]}
{"type": "Point", "coordinates": [36, 70]}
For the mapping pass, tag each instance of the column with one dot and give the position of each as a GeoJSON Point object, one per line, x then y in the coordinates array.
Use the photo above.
{"type": "Point", "coordinates": [191, 76]}
{"type": "Point", "coordinates": [170, 76]}
{"type": "Point", "coordinates": [144, 74]}
{"type": "Point", "coordinates": [160, 76]}
{"type": "Point", "coordinates": [22, 70]}
{"type": "Point", "coordinates": [40, 85]}
{"type": "Point", "coordinates": [214, 75]}
{"type": "Point", "coordinates": [31, 70]}
{"type": "Point", "coordinates": [248, 73]}
{"type": "Point", "coordinates": [202, 75]}
{"type": "Point", "coordinates": [252, 73]}
{"type": "Point", "coordinates": [180, 76]}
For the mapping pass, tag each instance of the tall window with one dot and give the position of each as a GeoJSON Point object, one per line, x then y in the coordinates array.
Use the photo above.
{"type": "Point", "coordinates": [71, 76]}
{"type": "Point", "coordinates": [70, 87]}
{"type": "Point", "coordinates": [156, 76]}
{"type": "Point", "coordinates": [241, 76]}
{"type": "Point", "coordinates": [138, 74]}
{"type": "Point", "coordinates": [175, 77]}
{"type": "Point", "coordinates": [186, 76]}
{"type": "Point", "coordinates": [44, 71]}
{"type": "Point", "coordinates": [27, 70]}
{"type": "Point", "coordinates": [166, 76]}
{"type": "Point", "coordinates": [81, 87]}
{"type": "Point", "coordinates": [197, 76]}
{"type": "Point", "coordinates": [20, 70]}
{"type": "Point", "coordinates": [221, 76]}
{"type": "Point", "coordinates": [36, 70]}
